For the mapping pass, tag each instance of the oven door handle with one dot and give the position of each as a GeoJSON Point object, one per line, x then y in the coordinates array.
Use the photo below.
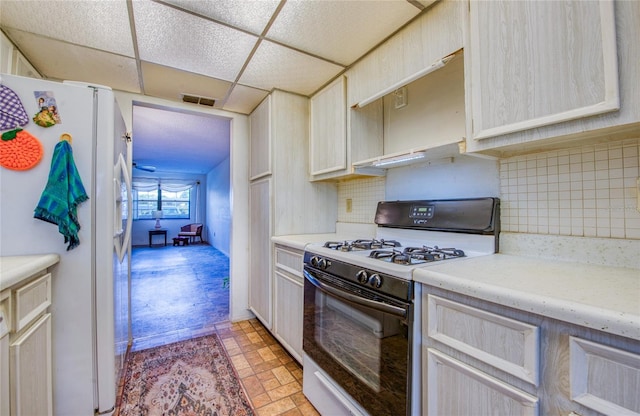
{"type": "Point", "coordinates": [384, 307]}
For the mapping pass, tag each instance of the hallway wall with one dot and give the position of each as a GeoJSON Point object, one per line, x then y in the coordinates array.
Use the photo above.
{"type": "Point", "coordinates": [218, 209]}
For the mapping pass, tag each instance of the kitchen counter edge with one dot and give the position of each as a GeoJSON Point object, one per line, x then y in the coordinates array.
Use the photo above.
{"type": "Point", "coordinates": [14, 269]}
{"type": "Point", "coordinates": [598, 297]}
{"type": "Point", "coordinates": [300, 241]}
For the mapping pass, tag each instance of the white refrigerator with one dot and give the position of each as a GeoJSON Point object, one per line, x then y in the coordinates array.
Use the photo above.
{"type": "Point", "coordinates": [90, 286]}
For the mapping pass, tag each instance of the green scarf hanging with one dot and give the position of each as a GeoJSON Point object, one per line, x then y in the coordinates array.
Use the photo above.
{"type": "Point", "coordinates": [62, 195]}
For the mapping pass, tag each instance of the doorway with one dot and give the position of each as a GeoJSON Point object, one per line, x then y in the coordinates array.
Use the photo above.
{"type": "Point", "coordinates": [180, 292]}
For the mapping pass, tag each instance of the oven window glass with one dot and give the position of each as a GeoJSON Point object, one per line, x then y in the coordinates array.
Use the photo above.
{"type": "Point", "coordinates": [365, 351]}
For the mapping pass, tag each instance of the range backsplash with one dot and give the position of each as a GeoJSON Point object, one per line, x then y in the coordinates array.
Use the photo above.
{"type": "Point", "coordinates": [364, 195]}
{"type": "Point", "coordinates": [586, 191]}
{"type": "Point", "coordinates": [583, 191]}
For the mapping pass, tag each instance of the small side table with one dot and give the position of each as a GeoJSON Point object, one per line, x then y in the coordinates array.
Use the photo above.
{"type": "Point", "coordinates": [158, 231]}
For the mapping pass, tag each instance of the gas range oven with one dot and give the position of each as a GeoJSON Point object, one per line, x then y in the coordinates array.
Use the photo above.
{"type": "Point", "coordinates": [361, 329]}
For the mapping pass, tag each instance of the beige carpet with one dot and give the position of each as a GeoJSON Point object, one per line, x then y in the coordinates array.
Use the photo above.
{"type": "Point", "coordinates": [188, 378]}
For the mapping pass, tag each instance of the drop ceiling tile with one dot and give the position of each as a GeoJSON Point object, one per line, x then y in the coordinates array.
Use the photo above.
{"type": "Point", "coordinates": [170, 37]}
{"type": "Point", "coordinates": [244, 99]}
{"type": "Point", "coordinates": [164, 82]}
{"type": "Point", "coordinates": [250, 15]}
{"type": "Point", "coordinates": [96, 24]}
{"type": "Point", "coordinates": [340, 31]}
{"type": "Point", "coordinates": [63, 61]}
{"type": "Point", "coordinates": [274, 66]}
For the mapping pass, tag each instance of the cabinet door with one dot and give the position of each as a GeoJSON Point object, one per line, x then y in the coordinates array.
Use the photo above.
{"type": "Point", "coordinates": [260, 250]}
{"type": "Point", "coordinates": [260, 140]}
{"type": "Point", "coordinates": [4, 375]}
{"type": "Point", "coordinates": [540, 63]}
{"type": "Point", "coordinates": [455, 388]}
{"type": "Point", "coordinates": [288, 313]}
{"type": "Point", "coordinates": [328, 142]}
{"type": "Point", "coordinates": [603, 378]}
{"type": "Point", "coordinates": [31, 370]}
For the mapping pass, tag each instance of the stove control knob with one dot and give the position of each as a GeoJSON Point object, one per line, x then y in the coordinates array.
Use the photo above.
{"type": "Point", "coordinates": [323, 263]}
{"type": "Point", "coordinates": [362, 276]}
{"type": "Point", "coordinates": [375, 280]}
{"type": "Point", "coordinates": [314, 261]}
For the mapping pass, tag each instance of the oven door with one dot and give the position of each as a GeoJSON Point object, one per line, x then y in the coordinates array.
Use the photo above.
{"type": "Point", "coordinates": [361, 340]}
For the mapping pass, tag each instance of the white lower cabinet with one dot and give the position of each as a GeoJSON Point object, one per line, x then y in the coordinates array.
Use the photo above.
{"type": "Point", "coordinates": [288, 299]}
{"type": "Point", "coordinates": [31, 372]}
{"type": "Point", "coordinates": [455, 388]}
{"type": "Point", "coordinates": [4, 375]}
{"type": "Point", "coordinates": [26, 366]}
{"type": "Point", "coordinates": [483, 358]}
{"type": "Point", "coordinates": [603, 378]}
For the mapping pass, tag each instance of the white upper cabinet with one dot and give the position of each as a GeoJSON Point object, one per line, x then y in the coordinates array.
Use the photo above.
{"type": "Point", "coordinates": [367, 125]}
{"type": "Point", "coordinates": [543, 70]}
{"type": "Point", "coordinates": [260, 140]}
{"type": "Point", "coordinates": [435, 34]}
{"type": "Point", "coordinates": [328, 141]}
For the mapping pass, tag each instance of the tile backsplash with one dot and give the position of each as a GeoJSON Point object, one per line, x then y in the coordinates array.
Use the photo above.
{"type": "Point", "coordinates": [587, 191]}
{"type": "Point", "coordinates": [364, 195]}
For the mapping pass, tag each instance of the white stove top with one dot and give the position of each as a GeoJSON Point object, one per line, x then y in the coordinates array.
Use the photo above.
{"type": "Point", "coordinates": [472, 245]}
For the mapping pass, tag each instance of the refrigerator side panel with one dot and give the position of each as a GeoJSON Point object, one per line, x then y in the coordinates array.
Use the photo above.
{"type": "Point", "coordinates": [105, 266]}
{"type": "Point", "coordinates": [23, 234]}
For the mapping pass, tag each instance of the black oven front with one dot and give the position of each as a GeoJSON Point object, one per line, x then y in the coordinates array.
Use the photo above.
{"type": "Point", "coordinates": [360, 338]}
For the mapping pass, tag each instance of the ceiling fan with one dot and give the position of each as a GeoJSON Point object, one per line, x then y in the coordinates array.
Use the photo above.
{"type": "Point", "coordinates": [146, 168]}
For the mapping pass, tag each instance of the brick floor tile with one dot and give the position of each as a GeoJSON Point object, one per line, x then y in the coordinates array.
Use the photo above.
{"type": "Point", "coordinates": [283, 375]}
{"type": "Point", "coordinates": [284, 391]}
{"type": "Point", "coordinates": [276, 408]}
{"type": "Point", "coordinates": [261, 400]}
{"type": "Point", "coordinates": [271, 384]}
{"type": "Point", "coordinates": [253, 386]}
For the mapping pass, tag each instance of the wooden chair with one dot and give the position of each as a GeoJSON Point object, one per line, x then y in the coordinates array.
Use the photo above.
{"type": "Point", "coordinates": [192, 231]}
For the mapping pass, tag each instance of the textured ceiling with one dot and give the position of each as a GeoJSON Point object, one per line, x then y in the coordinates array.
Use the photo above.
{"type": "Point", "coordinates": [233, 51]}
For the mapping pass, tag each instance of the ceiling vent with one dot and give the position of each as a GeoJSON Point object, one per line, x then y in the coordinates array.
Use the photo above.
{"type": "Point", "coordinates": [194, 99]}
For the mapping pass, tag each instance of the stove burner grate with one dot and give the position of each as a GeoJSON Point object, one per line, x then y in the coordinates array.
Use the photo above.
{"type": "Point", "coordinates": [361, 244]}
{"type": "Point", "coordinates": [416, 255]}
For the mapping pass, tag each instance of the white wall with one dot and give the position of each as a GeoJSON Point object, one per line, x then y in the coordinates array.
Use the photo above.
{"type": "Point", "coordinates": [461, 177]}
{"type": "Point", "coordinates": [218, 211]}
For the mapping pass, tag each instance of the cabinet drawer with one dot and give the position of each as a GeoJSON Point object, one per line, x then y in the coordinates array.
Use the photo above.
{"type": "Point", "coordinates": [455, 388]}
{"type": "Point", "coordinates": [509, 345]}
{"type": "Point", "coordinates": [289, 260]}
{"type": "Point", "coordinates": [591, 364]}
{"type": "Point", "coordinates": [32, 300]}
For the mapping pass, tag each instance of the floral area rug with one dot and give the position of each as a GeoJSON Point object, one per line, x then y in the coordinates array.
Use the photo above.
{"type": "Point", "coordinates": [187, 378]}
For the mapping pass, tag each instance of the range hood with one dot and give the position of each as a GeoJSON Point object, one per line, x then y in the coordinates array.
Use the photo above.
{"type": "Point", "coordinates": [378, 166]}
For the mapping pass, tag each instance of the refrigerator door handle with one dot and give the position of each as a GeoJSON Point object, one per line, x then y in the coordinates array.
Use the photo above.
{"type": "Point", "coordinates": [121, 245]}
{"type": "Point", "coordinates": [117, 201]}
{"type": "Point", "coordinates": [127, 181]}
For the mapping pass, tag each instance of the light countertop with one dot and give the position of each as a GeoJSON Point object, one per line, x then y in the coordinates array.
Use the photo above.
{"type": "Point", "coordinates": [301, 240]}
{"type": "Point", "coordinates": [599, 297]}
{"type": "Point", "coordinates": [13, 269]}
{"type": "Point", "coordinates": [344, 231]}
